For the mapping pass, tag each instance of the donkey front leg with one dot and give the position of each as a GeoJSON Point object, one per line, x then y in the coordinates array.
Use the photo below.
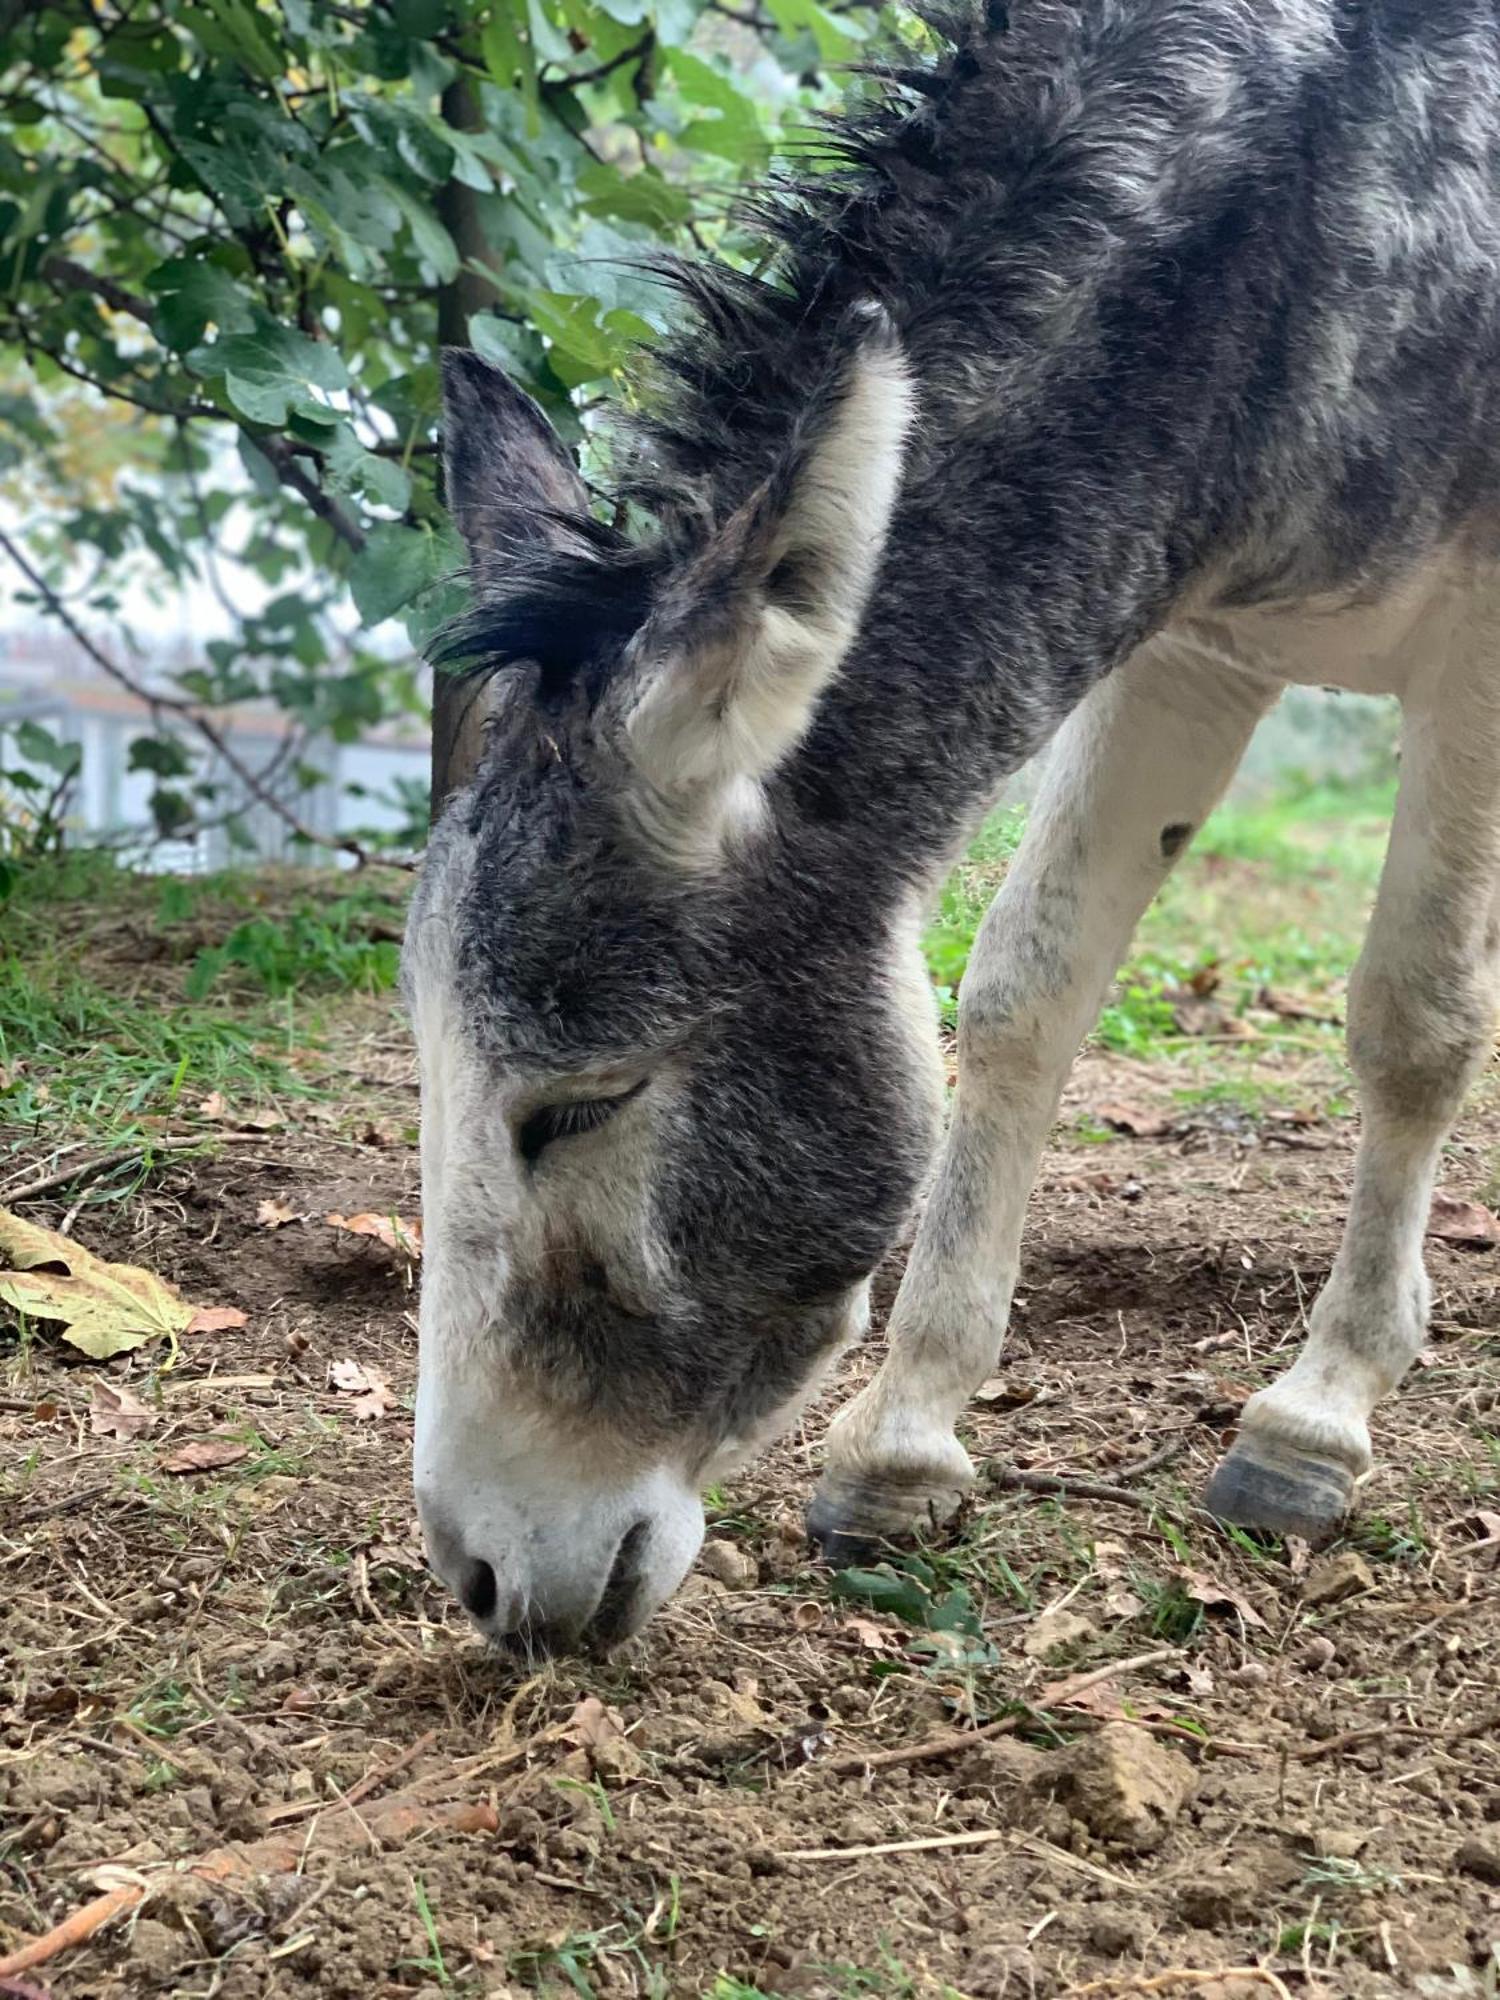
{"type": "Point", "coordinates": [1133, 774]}
{"type": "Point", "coordinates": [1422, 1005]}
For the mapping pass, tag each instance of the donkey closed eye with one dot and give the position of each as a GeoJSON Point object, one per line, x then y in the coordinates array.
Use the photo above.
{"type": "Point", "coordinates": [568, 1121]}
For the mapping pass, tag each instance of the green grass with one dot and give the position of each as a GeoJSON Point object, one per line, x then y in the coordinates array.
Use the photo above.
{"type": "Point", "coordinates": [127, 1000]}
{"type": "Point", "coordinates": [1273, 893]}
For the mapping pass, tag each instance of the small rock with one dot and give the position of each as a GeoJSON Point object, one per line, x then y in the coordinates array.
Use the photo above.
{"type": "Point", "coordinates": [730, 1565]}
{"type": "Point", "coordinates": [1126, 1787]}
{"type": "Point", "coordinates": [1481, 1859]}
{"type": "Point", "coordinates": [1055, 1632]}
{"type": "Point", "coordinates": [1001, 1972]}
{"type": "Point", "coordinates": [1337, 1577]}
{"type": "Point", "coordinates": [1340, 1843]}
{"type": "Point", "coordinates": [1003, 1766]}
{"type": "Point", "coordinates": [1319, 1652]}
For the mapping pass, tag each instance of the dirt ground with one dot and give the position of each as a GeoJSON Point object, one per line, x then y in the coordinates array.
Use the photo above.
{"type": "Point", "coordinates": [236, 1699]}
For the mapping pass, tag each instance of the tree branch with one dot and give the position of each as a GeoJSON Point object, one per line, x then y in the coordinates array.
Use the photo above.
{"type": "Point", "coordinates": [160, 705]}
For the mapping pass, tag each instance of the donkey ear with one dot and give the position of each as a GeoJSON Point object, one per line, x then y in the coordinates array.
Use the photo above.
{"type": "Point", "coordinates": [755, 626]}
{"type": "Point", "coordinates": [510, 481]}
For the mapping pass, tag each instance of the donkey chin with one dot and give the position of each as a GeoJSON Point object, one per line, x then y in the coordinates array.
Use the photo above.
{"type": "Point", "coordinates": [579, 1549]}
{"type": "Point", "coordinates": [562, 1536]}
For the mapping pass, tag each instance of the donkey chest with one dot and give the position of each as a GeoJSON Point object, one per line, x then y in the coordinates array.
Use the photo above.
{"type": "Point", "coordinates": [1388, 644]}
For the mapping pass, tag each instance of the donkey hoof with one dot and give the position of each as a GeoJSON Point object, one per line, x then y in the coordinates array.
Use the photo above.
{"type": "Point", "coordinates": [856, 1520]}
{"type": "Point", "coordinates": [1280, 1491]}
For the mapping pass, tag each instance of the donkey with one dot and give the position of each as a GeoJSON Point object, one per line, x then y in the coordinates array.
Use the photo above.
{"type": "Point", "coordinates": [1131, 360]}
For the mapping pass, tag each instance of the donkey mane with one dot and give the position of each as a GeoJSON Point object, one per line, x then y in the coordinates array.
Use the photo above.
{"type": "Point", "coordinates": [752, 365]}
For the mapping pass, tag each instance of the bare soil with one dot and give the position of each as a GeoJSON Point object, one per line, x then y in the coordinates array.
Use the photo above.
{"type": "Point", "coordinates": [240, 1695]}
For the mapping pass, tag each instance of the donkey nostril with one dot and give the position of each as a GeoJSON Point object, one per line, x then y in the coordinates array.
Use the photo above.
{"type": "Point", "coordinates": [480, 1592]}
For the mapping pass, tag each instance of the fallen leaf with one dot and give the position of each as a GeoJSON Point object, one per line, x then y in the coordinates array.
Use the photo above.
{"type": "Point", "coordinates": [104, 1309]}
{"type": "Point", "coordinates": [872, 1637]}
{"type": "Point", "coordinates": [215, 1319]}
{"type": "Point", "coordinates": [277, 1214]}
{"type": "Point", "coordinates": [205, 1455]}
{"type": "Point", "coordinates": [998, 1394]}
{"type": "Point", "coordinates": [1122, 1604]}
{"type": "Point", "coordinates": [1205, 979]}
{"type": "Point", "coordinates": [395, 1555]}
{"type": "Point", "coordinates": [213, 1106]}
{"type": "Point", "coordinates": [394, 1231]}
{"type": "Point", "coordinates": [1466, 1223]}
{"type": "Point", "coordinates": [372, 1394]}
{"type": "Point", "coordinates": [259, 1121]}
{"type": "Point", "coordinates": [115, 1412]}
{"type": "Point", "coordinates": [593, 1725]}
{"type": "Point", "coordinates": [1134, 1119]}
{"type": "Point", "coordinates": [1215, 1596]}
{"type": "Point", "coordinates": [1292, 1008]}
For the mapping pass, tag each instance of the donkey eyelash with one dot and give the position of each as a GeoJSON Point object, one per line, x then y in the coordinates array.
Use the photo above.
{"type": "Point", "coordinates": [568, 1121]}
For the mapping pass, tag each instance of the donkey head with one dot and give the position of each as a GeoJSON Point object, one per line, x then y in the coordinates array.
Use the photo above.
{"type": "Point", "coordinates": [677, 1077]}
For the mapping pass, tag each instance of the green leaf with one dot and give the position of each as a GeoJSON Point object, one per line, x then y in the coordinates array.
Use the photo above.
{"type": "Point", "coordinates": [433, 243]}
{"type": "Point", "coordinates": [162, 755]}
{"type": "Point", "coordinates": [396, 564]}
{"type": "Point", "coordinates": [40, 746]}
{"type": "Point", "coordinates": [352, 469]}
{"type": "Point", "coordinates": [268, 372]}
{"type": "Point", "coordinates": [193, 295]}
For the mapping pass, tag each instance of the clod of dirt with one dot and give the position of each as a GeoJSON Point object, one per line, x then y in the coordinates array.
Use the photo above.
{"type": "Point", "coordinates": [1481, 1859]}
{"type": "Point", "coordinates": [730, 1565]}
{"type": "Point", "coordinates": [1055, 1632]}
{"type": "Point", "coordinates": [1337, 1577]}
{"type": "Point", "coordinates": [1002, 1972]}
{"type": "Point", "coordinates": [1126, 1787]}
{"type": "Point", "coordinates": [155, 1951]}
{"type": "Point", "coordinates": [1005, 1767]}
{"type": "Point", "coordinates": [1237, 1888]}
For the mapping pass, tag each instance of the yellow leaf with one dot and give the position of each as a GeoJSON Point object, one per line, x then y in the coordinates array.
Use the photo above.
{"type": "Point", "coordinates": [104, 1308]}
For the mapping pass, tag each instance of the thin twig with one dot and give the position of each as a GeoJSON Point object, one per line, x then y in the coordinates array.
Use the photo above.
{"type": "Point", "coordinates": [370, 1782]}
{"type": "Point", "coordinates": [88, 1170]}
{"type": "Point", "coordinates": [1012, 1478]}
{"type": "Point", "coordinates": [160, 704]}
{"type": "Point", "coordinates": [76, 1929]}
{"type": "Point", "coordinates": [980, 1839]}
{"type": "Point", "coordinates": [953, 1741]}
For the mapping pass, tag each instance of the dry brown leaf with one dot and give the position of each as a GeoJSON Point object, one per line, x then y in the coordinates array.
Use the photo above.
{"type": "Point", "coordinates": [277, 1214]}
{"type": "Point", "coordinates": [115, 1412]}
{"type": "Point", "coordinates": [1215, 1596]}
{"type": "Point", "coordinates": [1137, 1120]}
{"type": "Point", "coordinates": [205, 1455]}
{"type": "Point", "coordinates": [215, 1319]}
{"type": "Point", "coordinates": [396, 1232]}
{"type": "Point", "coordinates": [1291, 1007]}
{"type": "Point", "coordinates": [592, 1724]}
{"type": "Point", "coordinates": [215, 1105]}
{"type": "Point", "coordinates": [373, 1395]}
{"type": "Point", "coordinates": [1122, 1604]}
{"type": "Point", "coordinates": [395, 1555]}
{"type": "Point", "coordinates": [1468, 1224]}
{"type": "Point", "coordinates": [872, 1637]}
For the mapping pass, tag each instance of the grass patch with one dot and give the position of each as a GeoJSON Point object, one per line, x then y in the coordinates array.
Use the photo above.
{"type": "Point", "coordinates": [1272, 894]}
{"type": "Point", "coordinates": [127, 1000]}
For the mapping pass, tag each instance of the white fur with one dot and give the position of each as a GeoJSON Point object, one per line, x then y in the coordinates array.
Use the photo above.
{"type": "Point", "coordinates": [1150, 748]}
{"type": "Point", "coordinates": [714, 720]}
